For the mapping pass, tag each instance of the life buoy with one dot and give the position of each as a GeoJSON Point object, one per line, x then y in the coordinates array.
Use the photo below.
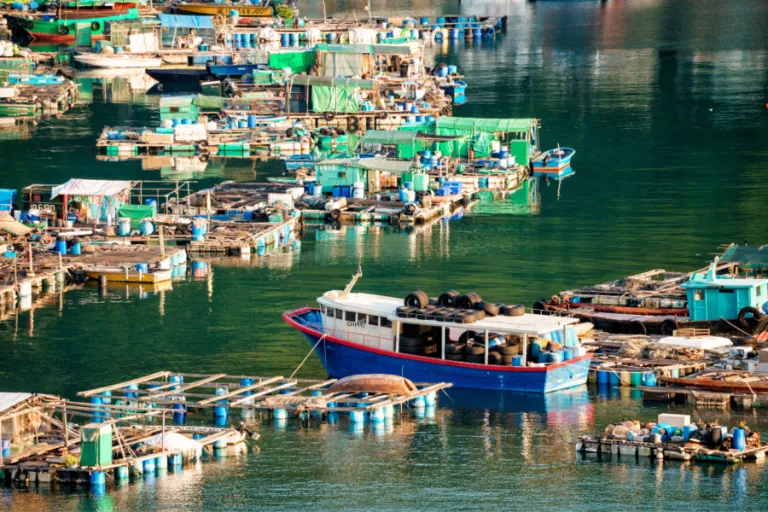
{"type": "Point", "coordinates": [263, 41]}
{"type": "Point", "coordinates": [95, 25]}
{"type": "Point", "coordinates": [330, 116]}
{"type": "Point", "coordinates": [64, 30]}
{"type": "Point", "coordinates": [46, 239]}
{"type": "Point", "coordinates": [354, 123]}
{"type": "Point", "coordinates": [203, 157]}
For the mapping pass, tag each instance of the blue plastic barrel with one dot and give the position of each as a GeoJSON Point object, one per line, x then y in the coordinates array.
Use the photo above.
{"type": "Point", "coordinates": [556, 356]}
{"type": "Point", "coordinates": [454, 33]}
{"type": "Point", "coordinates": [150, 201]}
{"type": "Point", "coordinates": [688, 430]}
{"type": "Point", "coordinates": [74, 249]}
{"type": "Point", "coordinates": [424, 20]}
{"type": "Point", "coordinates": [649, 379]}
{"type": "Point", "coordinates": [186, 122]}
{"type": "Point", "coordinates": [477, 33]}
{"type": "Point", "coordinates": [98, 479]}
{"type": "Point", "coordinates": [146, 227]}
{"type": "Point", "coordinates": [336, 192]}
{"type": "Point", "coordinates": [284, 39]}
{"type": "Point", "coordinates": [603, 377]}
{"type": "Point", "coordinates": [142, 267]}
{"type": "Point", "coordinates": [441, 21]}
{"type": "Point", "coordinates": [123, 226]}
{"type": "Point", "coordinates": [175, 122]}
{"type": "Point", "coordinates": [6, 448]}
{"type": "Point", "coordinates": [346, 191]}
{"type": "Point", "coordinates": [614, 379]}
{"type": "Point", "coordinates": [517, 360]}
{"type": "Point", "coordinates": [252, 121]}
{"type": "Point", "coordinates": [294, 38]}
{"type": "Point", "coordinates": [98, 415]}
{"type": "Point", "coordinates": [452, 69]}
{"type": "Point", "coordinates": [419, 119]}
{"type": "Point", "coordinates": [149, 466]}
{"type": "Point", "coordinates": [739, 439]}
{"type": "Point", "coordinates": [61, 245]}
{"type": "Point", "coordinates": [245, 41]}
{"type": "Point", "coordinates": [329, 37]}
{"type": "Point", "coordinates": [254, 40]}
{"type": "Point", "coordinates": [403, 195]}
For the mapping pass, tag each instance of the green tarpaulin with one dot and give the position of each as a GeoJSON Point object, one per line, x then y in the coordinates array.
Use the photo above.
{"type": "Point", "coordinates": [476, 124]}
{"type": "Point", "coordinates": [136, 212]}
{"type": "Point", "coordinates": [481, 132]}
{"type": "Point", "coordinates": [209, 102]}
{"type": "Point", "coordinates": [388, 137]}
{"type": "Point", "coordinates": [335, 99]}
{"type": "Point", "coordinates": [299, 62]}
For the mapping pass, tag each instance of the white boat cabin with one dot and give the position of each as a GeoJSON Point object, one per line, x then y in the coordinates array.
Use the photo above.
{"type": "Point", "coordinates": [371, 320]}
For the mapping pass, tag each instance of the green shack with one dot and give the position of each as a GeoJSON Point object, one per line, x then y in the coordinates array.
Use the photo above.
{"type": "Point", "coordinates": [96, 444]}
{"type": "Point", "coordinates": [346, 172]}
{"type": "Point", "coordinates": [477, 135]}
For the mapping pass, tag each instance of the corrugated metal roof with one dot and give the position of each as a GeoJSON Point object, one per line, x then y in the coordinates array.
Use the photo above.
{"type": "Point", "coordinates": [388, 137]}
{"type": "Point", "coordinates": [8, 400]}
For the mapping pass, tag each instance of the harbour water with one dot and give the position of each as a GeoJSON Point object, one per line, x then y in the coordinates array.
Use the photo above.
{"type": "Point", "coordinates": [665, 103]}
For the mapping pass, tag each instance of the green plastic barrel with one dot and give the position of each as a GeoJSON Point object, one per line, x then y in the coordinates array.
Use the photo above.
{"type": "Point", "coordinates": [636, 379]}
{"type": "Point", "coordinates": [420, 182]}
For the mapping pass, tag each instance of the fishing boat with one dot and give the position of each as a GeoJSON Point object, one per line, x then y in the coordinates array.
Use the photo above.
{"type": "Point", "coordinates": [553, 161]}
{"type": "Point", "coordinates": [61, 28]}
{"type": "Point", "coordinates": [178, 75]}
{"type": "Point", "coordinates": [296, 162]}
{"type": "Point", "coordinates": [355, 333]}
{"type": "Point", "coordinates": [125, 275]}
{"type": "Point", "coordinates": [211, 9]}
{"type": "Point", "coordinates": [291, 180]}
{"type": "Point", "coordinates": [119, 61]}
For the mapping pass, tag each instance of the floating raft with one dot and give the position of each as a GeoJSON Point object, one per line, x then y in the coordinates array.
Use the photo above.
{"type": "Point", "coordinates": [634, 450]}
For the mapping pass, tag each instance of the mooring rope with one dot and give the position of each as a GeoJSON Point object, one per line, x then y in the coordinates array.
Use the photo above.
{"type": "Point", "coordinates": [307, 356]}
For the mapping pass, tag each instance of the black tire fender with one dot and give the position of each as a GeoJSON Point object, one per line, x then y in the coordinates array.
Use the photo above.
{"type": "Point", "coordinates": [489, 308]}
{"type": "Point", "coordinates": [749, 322]}
{"type": "Point", "coordinates": [417, 299]}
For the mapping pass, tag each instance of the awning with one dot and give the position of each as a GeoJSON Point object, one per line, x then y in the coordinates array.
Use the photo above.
{"type": "Point", "coordinates": [185, 21]}
{"type": "Point", "coordinates": [10, 225]}
{"type": "Point", "coordinates": [485, 125]}
{"type": "Point", "coordinates": [78, 187]}
{"type": "Point", "coordinates": [388, 137]}
{"type": "Point", "coordinates": [756, 255]}
{"type": "Point", "coordinates": [382, 164]}
{"type": "Point", "coordinates": [331, 81]}
{"type": "Point", "coordinates": [365, 49]}
{"type": "Point", "coordinates": [8, 400]}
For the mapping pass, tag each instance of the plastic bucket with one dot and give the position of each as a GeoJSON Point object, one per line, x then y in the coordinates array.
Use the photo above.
{"type": "Point", "coordinates": [61, 245]}
{"type": "Point", "coordinates": [74, 249]}
{"type": "Point", "coordinates": [517, 360]}
{"type": "Point", "coordinates": [142, 267]}
{"type": "Point", "coordinates": [123, 226]}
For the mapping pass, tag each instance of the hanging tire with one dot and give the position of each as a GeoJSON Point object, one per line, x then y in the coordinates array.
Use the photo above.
{"type": "Point", "coordinates": [489, 308]}
{"type": "Point", "coordinates": [353, 123]}
{"type": "Point", "coordinates": [410, 209]}
{"type": "Point", "coordinates": [495, 358]}
{"type": "Point", "coordinates": [668, 327]}
{"type": "Point", "coordinates": [407, 341]}
{"type": "Point", "coordinates": [749, 317]}
{"type": "Point", "coordinates": [473, 350]}
{"type": "Point", "coordinates": [417, 299]}
{"type": "Point", "coordinates": [454, 348]}
{"type": "Point", "coordinates": [514, 310]}
{"type": "Point", "coordinates": [447, 299]}
{"type": "Point", "coordinates": [411, 330]}
{"type": "Point", "coordinates": [329, 116]}
{"type": "Point", "coordinates": [95, 26]}
{"type": "Point", "coordinates": [637, 327]}
{"type": "Point", "coordinates": [507, 350]}
{"type": "Point", "coordinates": [468, 300]}
{"type": "Point", "coordinates": [64, 30]}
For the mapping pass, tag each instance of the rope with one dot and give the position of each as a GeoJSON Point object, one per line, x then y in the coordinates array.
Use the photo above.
{"type": "Point", "coordinates": [738, 329]}
{"type": "Point", "coordinates": [307, 356]}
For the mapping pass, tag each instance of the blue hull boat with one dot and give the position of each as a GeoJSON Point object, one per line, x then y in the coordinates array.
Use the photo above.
{"type": "Point", "coordinates": [342, 358]}
{"type": "Point", "coordinates": [554, 160]}
{"type": "Point", "coordinates": [456, 91]}
{"type": "Point", "coordinates": [296, 162]}
{"type": "Point", "coordinates": [232, 70]}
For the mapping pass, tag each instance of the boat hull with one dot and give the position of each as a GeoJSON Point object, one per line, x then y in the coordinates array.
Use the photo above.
{"type": "Point", "coordinates": [118, 62]}
{"type": "Point", "coordinates": [64, 30]}
{"type": "Point", "coordinates": [132, 276]}
{"type": "Point", "coordinates": [179, 76]}
{"type": "Point", "coordinates": [342, 358]}
{"type": "Point", "coordinates": [246, 11]}
{"type": "Point", "coordinates": [553, 164]}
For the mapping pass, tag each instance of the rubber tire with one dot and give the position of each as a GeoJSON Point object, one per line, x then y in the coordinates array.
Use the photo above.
{"type": "Point", "coordinates": [464, 301]}
{"type": "Point", "coordinates": [95, 25]}
{"type": "Point", "coordinates": [637, 327]}
{"type": "Point", "coordinates": [407, 341]}
{"type": "Point", "coordinates": [454, 357]}
{"type": "Point", "coordinates": [489, 308]}
{"type": "Point", "coordinates": [514, 310]}
{"type": "Point", "coordinates": [410, 330]}
{"type": "Point", "coordinates": [402, 311]}
{"type": "Point", "coordinates": [464, 317]}
{"type": "Point", "coordinates": [479, 314]}
{"type": "Point", "coordinates": [466, 336]}
{"type": "Point", "coordinates": [668, 327]}
{"type": "Point", "coordinates": [417, 299]}
{"type": "Point", "coordinates": [413, 351]}
{"type": "Point", "coordinates": [353, 123]}
{"type": "Point", "coordinates": [335, 214]}
{"type": "Point", "coordinates": [506, 360]}
{"type": "Point", "coordinates": [473, 350]}
{"type": "Point", "coordinates": [64, 30]}
{"type": "Point", "coordinates": [448, 299]}
{"type": "Point", "coordinates": [474, 359]}
{"type": "Point", "coordinates": [329, 116]}
{"type": "Point", "coordinates": [539, 305]}
{"type": "Point", "coordinates": [507, 350]}
{"type": "Point", "coordinates": [454, 348]}
{"type": "Point", "coordinates": [744, 341]}
{"type": "Point", "coordinates": [410, 209]}
{"type": "Point", "coordinates": [495, 358]}
{"type": "Point", "coordinates": [747, 322]}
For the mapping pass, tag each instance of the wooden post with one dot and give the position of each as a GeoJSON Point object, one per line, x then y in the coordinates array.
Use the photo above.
{"type": "Point", "coordinates": [162, 240]}
{"type": "Point", "coordinates": [31, 270]}
{"type": "Point", "coordinates": [162, 436]}
{"type": "Point", "coordinates": [66, 425]}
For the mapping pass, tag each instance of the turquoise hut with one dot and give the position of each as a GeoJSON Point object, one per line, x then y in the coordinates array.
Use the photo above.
{"type": "Point", "coordinates": [712, 297]}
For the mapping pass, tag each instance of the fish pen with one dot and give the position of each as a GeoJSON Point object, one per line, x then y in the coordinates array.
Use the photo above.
{"type": "Point", "coordinates": [26, 99]}
{"type": "Point", "coordinates": [46, 439]}
{"type": "Point", "coordinates": [674, 437]}
{"type": "Point", "coordinates": [361, 398]}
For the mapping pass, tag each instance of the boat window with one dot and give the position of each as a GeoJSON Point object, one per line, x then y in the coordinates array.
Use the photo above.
{"type": "Point", "coordinates": [350, 316]}
{"type": "Point", "coordinates": [373, 320]}
{"type": "Point", "coordinates": [385, 322]}
{"type": "Point", "coordinates": [330, 312]}
{"type": "Point", "coordinates": [698, 294]}
{"type": "Point", "coordinates": [339, 314]}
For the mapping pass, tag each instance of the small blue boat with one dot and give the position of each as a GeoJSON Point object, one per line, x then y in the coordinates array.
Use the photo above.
{"type": "Point", "coordinates": [232, 70]}
{"type": "Point", "coordinates": [554, 160]}
{"type": "Point", "coordinates": [359, 333]}
{"type": "Point", "coordinates": [295, 162]}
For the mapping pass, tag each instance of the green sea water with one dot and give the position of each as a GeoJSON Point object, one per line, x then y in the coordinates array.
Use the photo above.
{"type": "Point", "coordinates": [665, 103]}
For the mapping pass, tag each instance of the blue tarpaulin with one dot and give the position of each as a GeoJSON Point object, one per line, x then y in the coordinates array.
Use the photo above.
{"type": "Point", "coordinates": [185, 21]}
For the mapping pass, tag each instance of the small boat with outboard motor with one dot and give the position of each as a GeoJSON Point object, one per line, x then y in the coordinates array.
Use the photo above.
{"type": "Point", "coordinates": [553, 161]}
{"type": "Point", "coordinates": [456, 338]}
